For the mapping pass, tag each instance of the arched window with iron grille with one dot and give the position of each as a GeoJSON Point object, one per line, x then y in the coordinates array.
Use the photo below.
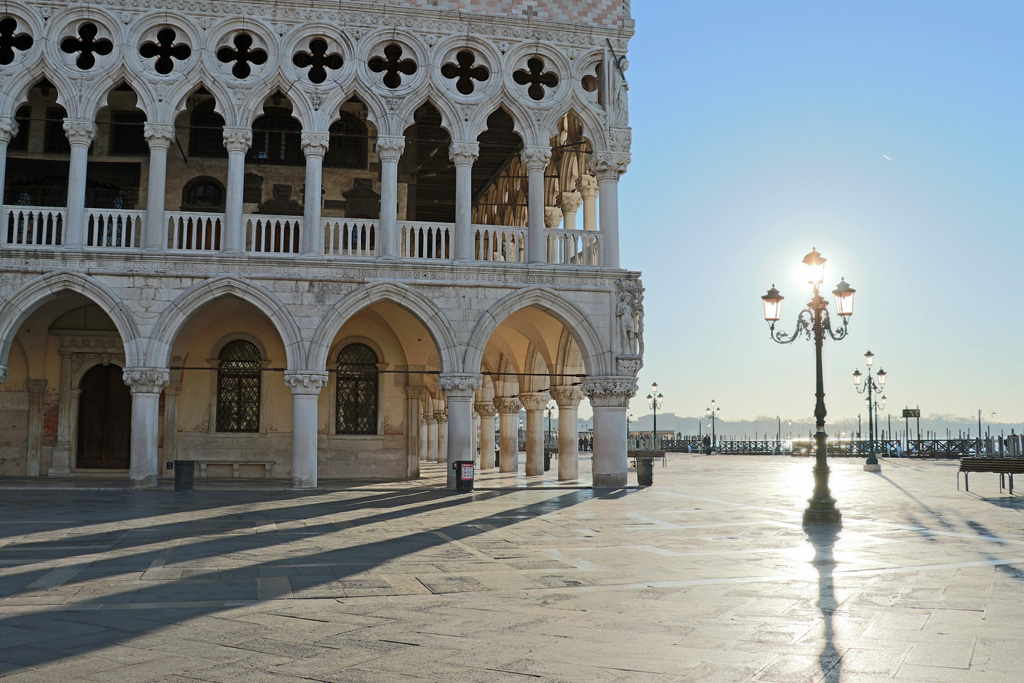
{"type": "Point", "coordinates": [356, 409]}
{"type": "Point", "coordinates": [238, 388]}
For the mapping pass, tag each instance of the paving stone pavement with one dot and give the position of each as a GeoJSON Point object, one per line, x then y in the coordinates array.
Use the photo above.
{"type": "Point", "coordinates": [706, 576]}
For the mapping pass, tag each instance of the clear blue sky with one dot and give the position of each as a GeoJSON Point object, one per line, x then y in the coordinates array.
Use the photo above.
{"type": "Point", "coordinates": [759, 130]}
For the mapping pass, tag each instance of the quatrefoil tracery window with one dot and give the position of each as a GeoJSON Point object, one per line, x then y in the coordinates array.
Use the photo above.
{"type": "Point", "coordinates": [465, 71]}
{"type": "Point", "coordinates": [535, 76]}
{"type": "Point", "coordinates": [165, 50]}
{"type": "Point", "coordinates": [11, 40]}
{"type": "Point", "coordinates": [242, 54]}
{"type": "Point", "coordinates": [392, 65]}
{"type": "Point", "coordinates": [318, 60]}
{"type": "Point", "coordinates": [87, 46]}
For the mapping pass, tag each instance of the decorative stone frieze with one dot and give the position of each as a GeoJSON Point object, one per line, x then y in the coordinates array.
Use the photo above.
{"type": "Point", "coordinates": [534, 158]}
{"type": "Point", "coordinates": [390, 147]}
{"type": "Point", "coordinates": [306, 383]}
{"type": "Point", "coordinates": [567, 397]}
{"type": "Point", "coordinates": [455, 385]}
{"type": "Point", "coordinates": [507, 406]}
{"type": "Point", "coordinates": [315, 143]}
{"type": "Point", "coordinates": [80, 132]}
{"type": "Point", "coordinates": [237, 139]}
{"type": "Point", "coordinates": [485, 409]}
{"type": "Point", "coordinates": [463, 153]}
{"type": "Point", "coordinates": [146, 380]}
{"type": "Point", "coordinates": [609, 392]}
{"type": "Point", "coordinates": [158, 134]}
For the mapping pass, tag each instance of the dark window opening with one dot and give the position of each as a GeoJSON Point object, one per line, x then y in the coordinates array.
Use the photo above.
{"type": "Point", "coordinates": [356, 410]}
{"type": "Point", "coordinates": [238, 388]}
{"type": "Point", "coordinates": [127, 133]}
{"type": "Point", "coordinates": [349, 143]}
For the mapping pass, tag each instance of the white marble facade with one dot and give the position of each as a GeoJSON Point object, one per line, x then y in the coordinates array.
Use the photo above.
{"type": "Point", "coordinates": [500, 307]}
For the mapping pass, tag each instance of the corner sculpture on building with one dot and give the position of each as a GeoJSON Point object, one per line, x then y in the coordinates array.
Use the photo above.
{"type": "Point", "coordinates": [313, 241]}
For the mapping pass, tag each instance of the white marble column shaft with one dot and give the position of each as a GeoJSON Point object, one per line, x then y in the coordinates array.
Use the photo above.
{"type": "Point", "coordinates": [459, 389]}
{"type": "Point", "coordinates": [534, 404]}
{"type": "Point", "coordinates": [159, 137]}
{"type": "Point", "coordinates": [535, 159]}
{"type": "Point", "coordinates": [80, 136]}
{"type": "Point", "coordinates": [314, 146]}
{"type": "Point", "coordinates": [390, 149]}
{"type": "Point", "coordinates": [508, 435]}
{"type": "Point", "coordinates": [609, 398]}
{"type": "Point", "coordinates": [463, 154]}
{"type": "Point", "coordinates": [237, 141]}
{"type": "Point", "coordinates": [487, 413]}
{"type": "Point", "coordinates": [305, 389]}
{"type": "Point", "coordinates": [146, 385]}
{"type": "Point", "coordinates": [568, 399]}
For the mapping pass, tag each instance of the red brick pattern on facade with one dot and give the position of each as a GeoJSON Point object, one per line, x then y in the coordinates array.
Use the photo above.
{"type": "Point", "coordinates": [601, 13]}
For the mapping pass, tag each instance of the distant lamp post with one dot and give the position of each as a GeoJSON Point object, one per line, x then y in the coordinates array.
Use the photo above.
{"type": "Point", "coordinates": [654, 400]}
{"type": "Point", "coordinates": [872, 386]}
{"type": "Point", "coordinates": [629, 421]}
{"type": "Point", "coordinates": [814, 321]}
{"type": "Point", "coordinates": [714, 412]}
{"type": "Point", "coordinates": [549, 410]}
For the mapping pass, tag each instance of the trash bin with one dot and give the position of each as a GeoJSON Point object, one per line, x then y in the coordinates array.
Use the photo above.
{"type": "Point", "coordinates": [184, 475]}
{"type": "Point", "coordinates": [644, 470]}
{"type": "Point", "coordinates": [464, 470]}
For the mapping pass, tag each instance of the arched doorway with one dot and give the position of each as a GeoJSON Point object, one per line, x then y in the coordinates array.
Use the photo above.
{"type": "Point", "coordinates": [104, 420]}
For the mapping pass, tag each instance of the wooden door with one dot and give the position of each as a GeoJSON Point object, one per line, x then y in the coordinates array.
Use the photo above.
{"type": "Point", "coordinates": [104, 420]}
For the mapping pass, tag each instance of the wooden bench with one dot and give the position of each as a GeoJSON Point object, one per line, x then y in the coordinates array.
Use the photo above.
{"type": "Point", "coordinates": [1004, 467]}
{"type": "Point", "coordinates": [648, 454]}
{"type": "Point", "coordinates": [236, 466]}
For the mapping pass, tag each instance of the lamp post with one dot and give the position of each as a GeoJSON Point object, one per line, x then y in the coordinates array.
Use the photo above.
{"type": "Point", "coordinates": [550, 409]}
{"type": "Point", "coordinates": [654, 400]}
{"type": "Point", "coordinates": [629, 421]}
{"type": "Point", "coordinates": [871, 386]}
{"type": "Point", "coordinates": [814, 321]}
{"type": "Point", "coordinates": [713, 412]}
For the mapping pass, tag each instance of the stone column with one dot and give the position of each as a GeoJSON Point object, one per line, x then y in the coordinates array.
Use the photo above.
{"type": "Point", "coordinates": [534, 404]}
{"type": "Point", "coordinates": [608, 167]}
{"type": "Point", "coordinates": [463, 154]}
{"type": "Point", "coordinates": [306, 387]}
{"type": "Point", "coordinates": [535, 159]}
{"type": "Point", "coordinates": [459, 389]}
{"type": "Point", "coordinates": [587, 186]}
{"type": "Point", "coordinates": [487, 413]}
{"type": "Point", "coordinates": [423, 436]}
{"type": "Point", "coordinates": [159, 136]}
{"type": "Point", "coordinates": [390, 149]}
{"type": "Point", "coordinates": [413, 406]}
{"type": "Point", "coordinates": [568, 399]}
{"type": "Point", "coordinates": [609, 397]}
{"type": "Point", "coordinates": [508, 435]}
{"type": "Point", "coordinates": [8, 129]}
{"type": "Point", "coordinates": [314, 145]}
{"type": "Point", "coordinates": [441, 418]}
{"type": "Point", "coordinates": [146, 385]}
{"type": "Point", "coordinates": [237, 141]}
{"type": "Point", "coordinates": [60, 464]}
{"type": "Point", "coordinates": [570, 204]}
{"type": "Point", "coordinates": [36, 394]}
{"type": "Point", "coordinates": [172, 392]}
{"type": "Point", "coordinates": [431, 437]}
{"type": "Point", "coordinates": [80, 134]}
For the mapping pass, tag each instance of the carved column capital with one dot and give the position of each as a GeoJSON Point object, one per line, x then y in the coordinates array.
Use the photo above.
{"type": "Point", "coordinates": [464, 153]}
{"type": "Point", "coordinates": [414, 391]}
{"type": "Point", "coordinates": [428, 417]}
{"type": "Point", "coordinates": [8, 128]}
{"type": "Point", "coordinates": [571, 202]}
{"type": "Point", "coordinates": [459, 385]}
{"type": "Point", "coordinates": [305, 383]}
{"type": "Point", "coordinates": [390, 147]}
{"type": "Point", "coordinates": [535, 158]}
{"type": "Point", "coordinates": [237, 139]}
{"type": "Point", "coordinates": [158, 134]}
{"type": "Point", "coordinates": [80, 131]}
{"type": "Point", "coordinates": [146, 380]}
{"type": "Point", "coordinates": [567, 397]}
{"type": "Point", "coordinates": [507, 406]}
{"type": "Point", "coordinates": [609, 392]}
{"type": "Point", "coordinates": [552, 217]}
{"type": "Point", "coordinates": [441, 416]}
{"type": "Point", "coordinates": [485, 409]}
{"type": "Point", "coordinates": [586, 185]}
{"type": "Point", "coordinates": [537, 401]}
{"type": "Point", "coordinates": [315, 143]}
{"type": "Point", "coordinates": [608, 165]}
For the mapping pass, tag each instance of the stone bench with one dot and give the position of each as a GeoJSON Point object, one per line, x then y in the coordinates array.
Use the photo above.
{"type": "Point", "coordinates": [236, 466]}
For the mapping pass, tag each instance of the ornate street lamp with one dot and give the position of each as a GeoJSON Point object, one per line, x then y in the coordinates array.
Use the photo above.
{"type": "Point", "coordinates": [871, 386]}
{"type": "Point", "coordinates": [654, 400]}
{"type": "Point", "coordinates": [550, 408]}
{"type": "Point", "coordinates": [713, 412]}
{"type": "Point", "coordinates": [814, 322]}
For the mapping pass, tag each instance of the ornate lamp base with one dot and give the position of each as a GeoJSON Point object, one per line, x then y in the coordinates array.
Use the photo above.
{"type": "Point", "coordinates": [822, 515]}
{"type": "Point", "coordinates": [872, 467]}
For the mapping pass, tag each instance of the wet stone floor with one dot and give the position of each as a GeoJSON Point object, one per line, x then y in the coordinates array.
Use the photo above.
{"type": "Point", "coordinates": [706, 576]}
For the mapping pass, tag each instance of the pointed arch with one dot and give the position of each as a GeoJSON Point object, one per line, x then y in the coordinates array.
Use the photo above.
{"type": "Point", "coordinates": [99, 93]}
{"type": "Point", "coordinates": [477, 123]}
{"type": "Point", "coordinates": [191, 300]}
{"type": "Point", "coordinates": [450, 118]}
{"type": "Point", "coordinates": [593, 129]}
{"type": "Point", "coordinates": [178, 98]}
{"type": "Point", "coordinates": [39, 290]}
{"type": "Point", "coordinates": [420, 306]}
{"type": "Point", "coordinates": [548, 300]}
